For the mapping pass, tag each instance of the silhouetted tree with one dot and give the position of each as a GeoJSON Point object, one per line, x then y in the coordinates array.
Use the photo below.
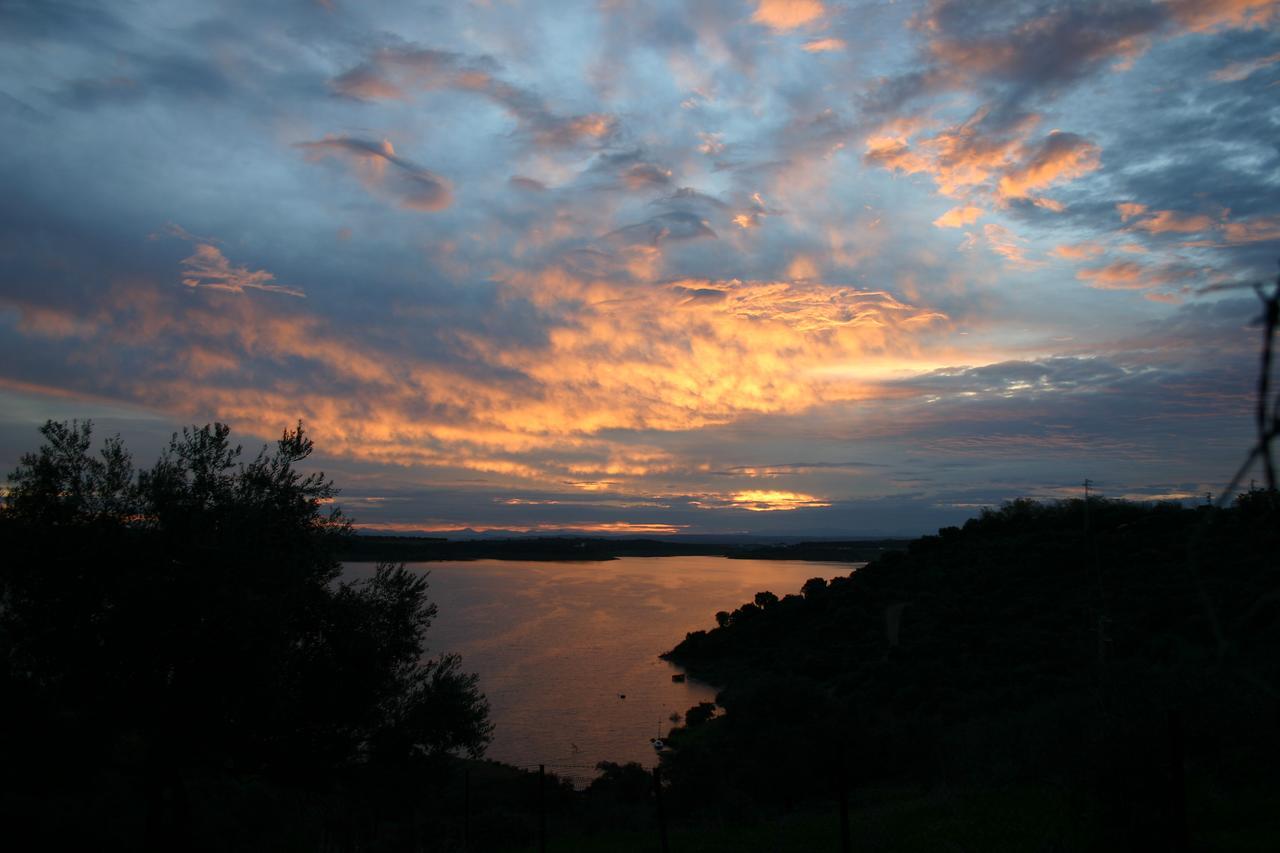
{"type": "Point", "coordinates": [191, 618]}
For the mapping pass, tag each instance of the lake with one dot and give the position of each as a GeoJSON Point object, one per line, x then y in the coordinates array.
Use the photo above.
{"type": "Point", "coordinates": [558, 645]}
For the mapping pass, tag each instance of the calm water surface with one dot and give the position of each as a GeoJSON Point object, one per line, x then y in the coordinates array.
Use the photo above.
{"type": "Point", "coordinates": [557, 645]}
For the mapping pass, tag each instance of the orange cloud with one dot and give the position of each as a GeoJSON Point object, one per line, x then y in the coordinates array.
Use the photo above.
{"type": "Point", "coordinates": [207, 267]}
{"type": "Point", "coordinates": [1171, 221]}
{"type": "Point", "coordinates": [1077, 251]}
{"type": "Point", "coordinates": [1235, 71]}
{"type": "Point", "coordinates": [1061, 157]}
{"type": "Point", "coordinates": [48, 322]}
{"type": "Point", "coordinates": [760, 500]}
{"type": "Point", "coordinates": [802, 268]}
{"type": "Point", "coordinates": [698, 352]}
{"type": "Point", "coordinates": [781, 15]}
{"type": "Point", "coordinates": [824, 45]}
{"type": "Point", "coordinates": [1256, 230]}
{"type": "Point", "coordinates": [1008, 245]}
{"type": "Point", "coordinates": [1129, 209]}
{"type": "Point", "coordinates": [958, 217]}
{"type": "Point", "coordinates": [1209, 15]}
{"type": "Point", "coordinates": [637, 528]}
{"type": "Point", "coordinates": [1121, 275]}
{"type": "Point", "coordinates": [668, 357]}
{"type": "Point", "coordinates": [963, 157]}
{"type": "Point", "coordinates": [366, 84]}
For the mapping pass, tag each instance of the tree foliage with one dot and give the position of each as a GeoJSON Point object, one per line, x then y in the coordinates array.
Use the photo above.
{"type": "Point", "coordinates": [1040, 643]}
{"type": "Point", "coordinates": [193, 615]}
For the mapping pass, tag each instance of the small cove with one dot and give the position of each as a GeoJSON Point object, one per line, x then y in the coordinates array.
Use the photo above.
{"type": "Point", "coordinates": [557, 645]}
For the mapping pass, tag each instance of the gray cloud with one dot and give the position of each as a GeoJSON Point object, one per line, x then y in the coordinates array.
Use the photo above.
{"type": "Point", "coordinates": [413, 186]}
{"type": "Point", "coordinates": [398, 71]}
{"type": "Point", "coordinates": [663, 228]}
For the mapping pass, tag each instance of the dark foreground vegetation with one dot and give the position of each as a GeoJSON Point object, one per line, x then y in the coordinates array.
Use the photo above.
{"type": "Point", "coordinates": [1081, 675]}
{"type": "Point", "coordinates": [181, 667]}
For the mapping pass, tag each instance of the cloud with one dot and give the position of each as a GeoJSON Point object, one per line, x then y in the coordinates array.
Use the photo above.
{"type": "Point", "coordinates": [1129, 209]}
{"type": "Point", "coordinates": [633, 171]}
{"type": "Point", "coordinates": [49, 321]}
{"type": "Point", "coordinates": [1257, 230]}
{"type": "Point", "coordinates": [365, 83]}
{"type": "Point", "coordinates": [545, 127]}
{"type": "Point", "coordinates": [1008, 65]}
{"type": "Point", "coordinates": [958, 158]}
{"type": "Point", "coordinates": [754, 213]}
{"type": "Point", "coordinates": [208, 268]}
{"type": "Point", "coordinates": [1121, 275]}
{"type": "Point", "coordinates": [1022, 53]}
{"type": "Point", "coordinates": [1060, 157]}
{"type": "Point", "coordinates": [660, 229]}
{"type": "Point", "coordinates": [783, 15]}
{"type": "Point", "coordinates": [985, 151]}
{"type": "Point", "coordinates": [824, 45]}
{"type": "Point", "coordinates": [1233, 72]}
{"type": "Point", "coordinates": [392, 71]}
{"type": "Point", "coordinates": [1209, 15]}
{"type": "Point", "coordinates": [1077, 251]}
{"type": "Point", "coordinates": [1172, 221]}
{"type": "Point", "coordinates": [1008, 245]}
{"type": "Point", "coordinates": [760, 500]}
{"type": "Point", "coordinates": [1130, 275]}
{"type": "Point", "coordinates": [786, 468]}
{"type": "Point", "coordinates": [958, 217]}
{"type": "Point", "coordinates": [397, 72]}
{"type": "Point", "coordinates": [412, 186]}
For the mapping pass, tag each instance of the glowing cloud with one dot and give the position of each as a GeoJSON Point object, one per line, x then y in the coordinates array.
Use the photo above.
{"type": "Point", "coordinates": [1061, 157]}
{"type": "Point", "coordinates": [760, 500]}
{"type": "Point", "coordinates": [827, 45]}
{"type": "Point", "coordinates": [1256, 230]}
{"type": "Point", "coordinates": [1171, 221]}
{"type": "Point", "coordinates": [1008, 245]}
{"type": "Point", "coordinates": [1235, 71]}
{"type": "Point", "coordinates": [1077, 251]}
{"type": "Point", "coordinates": [784, 15]}
{"type": "Point", "coordinates": [958, 217]}
{"type": "Point", "coordinates": [1129, 209]}
{"type": "Point", "coordinates": [1121, 275]}
{"type": "Point", "coordinates": [208, 268]}
{"type": "Point", "coordinates": [1209, 15]}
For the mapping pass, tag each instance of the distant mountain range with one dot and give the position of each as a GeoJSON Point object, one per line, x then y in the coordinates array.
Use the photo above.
{"type": "Point", "coordinates": [369, 548]}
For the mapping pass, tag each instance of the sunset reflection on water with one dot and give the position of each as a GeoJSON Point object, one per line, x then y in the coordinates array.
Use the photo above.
{"type": "Point", "coordinates": [557, 645]}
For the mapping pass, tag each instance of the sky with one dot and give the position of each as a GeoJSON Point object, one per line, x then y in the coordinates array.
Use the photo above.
{"type": "Point", "coordinates": [785, 267]}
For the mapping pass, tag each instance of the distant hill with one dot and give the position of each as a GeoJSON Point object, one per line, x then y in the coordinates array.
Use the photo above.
{"type": "Point", "coordinates": [371, 548]}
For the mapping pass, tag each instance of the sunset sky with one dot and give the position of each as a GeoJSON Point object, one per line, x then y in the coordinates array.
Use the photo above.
{"type": "Point", "coordinates": [658, 267]}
